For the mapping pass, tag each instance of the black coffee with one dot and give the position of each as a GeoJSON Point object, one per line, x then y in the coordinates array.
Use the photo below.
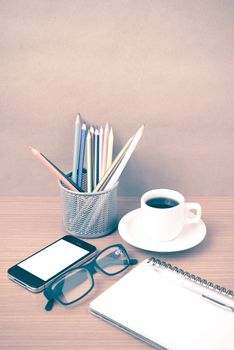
{"type": "Point", "coordinates": [161, 202]}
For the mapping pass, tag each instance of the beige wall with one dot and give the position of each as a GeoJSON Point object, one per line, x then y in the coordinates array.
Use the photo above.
{"type": "Point", "coordinates": [168, 64]}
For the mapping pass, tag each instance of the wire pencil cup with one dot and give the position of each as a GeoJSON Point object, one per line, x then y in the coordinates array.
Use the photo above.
{"type": "Point", "coordinates": [89, 215]}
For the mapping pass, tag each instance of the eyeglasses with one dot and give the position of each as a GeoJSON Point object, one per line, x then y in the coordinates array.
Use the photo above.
{"type": "Point", "coordinates": [74, 284]}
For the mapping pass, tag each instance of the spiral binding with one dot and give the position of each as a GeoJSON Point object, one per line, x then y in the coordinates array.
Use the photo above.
{"type": "Point", "coordinates": [158, 263]}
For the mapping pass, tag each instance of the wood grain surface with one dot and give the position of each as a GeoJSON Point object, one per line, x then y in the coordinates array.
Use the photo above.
{"type": "Point", "coordinates": [30, 223]}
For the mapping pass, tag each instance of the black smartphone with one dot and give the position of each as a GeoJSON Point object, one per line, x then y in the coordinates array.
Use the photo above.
{"type": "Point", "coordinates": [39, 269]}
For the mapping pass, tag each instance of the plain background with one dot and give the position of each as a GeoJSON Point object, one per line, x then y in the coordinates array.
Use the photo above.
{"type": "Point", "coordinates": [168, 64]}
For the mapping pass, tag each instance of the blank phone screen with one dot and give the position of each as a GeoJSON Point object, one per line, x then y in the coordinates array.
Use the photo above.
{"type": "Point", "coordinates": [53, 259]}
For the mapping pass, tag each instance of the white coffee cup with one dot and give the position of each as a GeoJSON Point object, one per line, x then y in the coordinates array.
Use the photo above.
{"type": "Point", "coordinates": [165, 224]}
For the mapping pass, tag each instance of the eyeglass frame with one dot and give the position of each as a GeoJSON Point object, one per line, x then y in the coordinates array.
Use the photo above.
{"type": "Point", "coordinates": [91, 267]}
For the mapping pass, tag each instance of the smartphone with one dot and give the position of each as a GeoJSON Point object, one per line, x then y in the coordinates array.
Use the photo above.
{"type": "Point", "coordinates": [38, 270]}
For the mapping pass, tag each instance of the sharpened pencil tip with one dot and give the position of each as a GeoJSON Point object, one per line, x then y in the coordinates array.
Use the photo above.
{"type": "Point", "coordinates": [78, 118]}
{"type": "Point", "coordinates": [83, 126]}
{"type": "Point", "coordinates": [141, 128]}
{"type": "Point", "coordinates": [34, 151]}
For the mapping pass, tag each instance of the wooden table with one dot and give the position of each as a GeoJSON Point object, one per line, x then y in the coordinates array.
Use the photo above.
{"type": "Point", "coordinates": [30, 223]}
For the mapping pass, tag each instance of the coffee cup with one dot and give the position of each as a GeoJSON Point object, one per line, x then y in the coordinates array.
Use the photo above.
{"type": "Point", "coordinates": [165, 213]}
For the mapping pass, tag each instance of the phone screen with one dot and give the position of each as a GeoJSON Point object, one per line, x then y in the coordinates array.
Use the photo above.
{"type": "Point", "coordinates": [53, 259]}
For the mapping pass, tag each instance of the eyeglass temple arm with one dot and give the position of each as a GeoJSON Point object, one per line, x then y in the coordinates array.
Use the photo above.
{"type": "Point", "coordinates": [57, 291]}
{"type": "Point", "coordinates": [133, 261]}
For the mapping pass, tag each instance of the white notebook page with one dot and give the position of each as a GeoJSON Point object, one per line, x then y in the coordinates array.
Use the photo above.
{"type": "Point", "coordinates": [166, 313]}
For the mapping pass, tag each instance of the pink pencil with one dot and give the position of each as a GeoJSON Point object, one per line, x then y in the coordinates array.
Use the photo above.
{"type": "Point", "coordinates": [100, 152]}
{"type": "Point", "coordinates": [105, 149]}
{"type": "Point", "coordinates": [53, 169]}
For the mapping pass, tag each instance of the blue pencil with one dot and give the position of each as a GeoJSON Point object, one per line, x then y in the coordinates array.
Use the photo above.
{"type": "Point", "coordinates": [81, 155]}
{"type": "Point", "coordinates": [76, 148]}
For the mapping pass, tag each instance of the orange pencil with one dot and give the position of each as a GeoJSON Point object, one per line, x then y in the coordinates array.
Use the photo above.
{"type": "Point", "coordinates": [55, 170]}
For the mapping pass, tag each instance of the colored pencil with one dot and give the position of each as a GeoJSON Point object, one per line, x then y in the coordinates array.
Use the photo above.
{"type": "Point", "coordinates": [96, 157]}
{"type": "Point", "coordinates": [76, 148]}
{"type": "Point", "coordinates": [81, 154]}
{"type": "Point", "coordinates": [116, 160]}
{"type": "Point", "coordinates": [118, 171]}
{"type": "Point", "coordinates": [105, 148]}
{"type": "Point", "coordinates": [89, 162]}
{"type": "Point", "coordinates": [110, 174]}
{"type": "Point", "coordinates": [55, 171]}
{"type": "Point", "coordinates": [100, 152]}
{"type": "Point", "coordinates": [92, 150]}
{"type": "Point", "coordinates": [110, 149]}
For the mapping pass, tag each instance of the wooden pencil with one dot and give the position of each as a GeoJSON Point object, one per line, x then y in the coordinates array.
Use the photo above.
{"type": "Point", "coordinates": [89, 162]}
{"type": "Point", "coordinates": [105, 148]}
{"type": "Point", "coordinates": [110, 149]}
{"type": "Point", "coordinates": [100, 152]}
{"type": "Point", "coordinates": [55, 171]}
{"type": "Point", "coordinates": [96, 157]}
{"type": "Point", "coordinates": [76, 148]}
{"type": "Point", "coordinates": [81, 154]}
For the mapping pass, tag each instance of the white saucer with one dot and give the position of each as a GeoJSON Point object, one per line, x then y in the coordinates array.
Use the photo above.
{"type": "Point", "coordinates": [131, 229]}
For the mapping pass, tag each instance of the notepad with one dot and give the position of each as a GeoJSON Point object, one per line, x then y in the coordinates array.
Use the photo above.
{"type": "Point", "coordinates": [151, 303]}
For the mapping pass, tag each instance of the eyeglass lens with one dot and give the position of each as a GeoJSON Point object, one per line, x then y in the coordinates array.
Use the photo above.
{"type": "Point", "coordinates": [113, 260]}
{"type": "Point", "coordinates": [73, 286]}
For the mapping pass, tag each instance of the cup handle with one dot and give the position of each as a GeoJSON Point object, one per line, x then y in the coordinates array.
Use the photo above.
{"type": "Point", "coordinates": [195, 218]}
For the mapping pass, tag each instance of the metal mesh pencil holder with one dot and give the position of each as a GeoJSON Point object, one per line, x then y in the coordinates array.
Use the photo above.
{"type": "Point", "coordinates": [89, 215]}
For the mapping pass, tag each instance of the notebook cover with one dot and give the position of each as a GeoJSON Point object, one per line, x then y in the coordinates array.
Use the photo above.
{"type": "Point", "coordinates": [163, 314]}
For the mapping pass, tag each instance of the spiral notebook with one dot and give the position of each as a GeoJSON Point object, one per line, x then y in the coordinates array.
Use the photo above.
{"type": "Point", "coordinates": [169, 308]}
